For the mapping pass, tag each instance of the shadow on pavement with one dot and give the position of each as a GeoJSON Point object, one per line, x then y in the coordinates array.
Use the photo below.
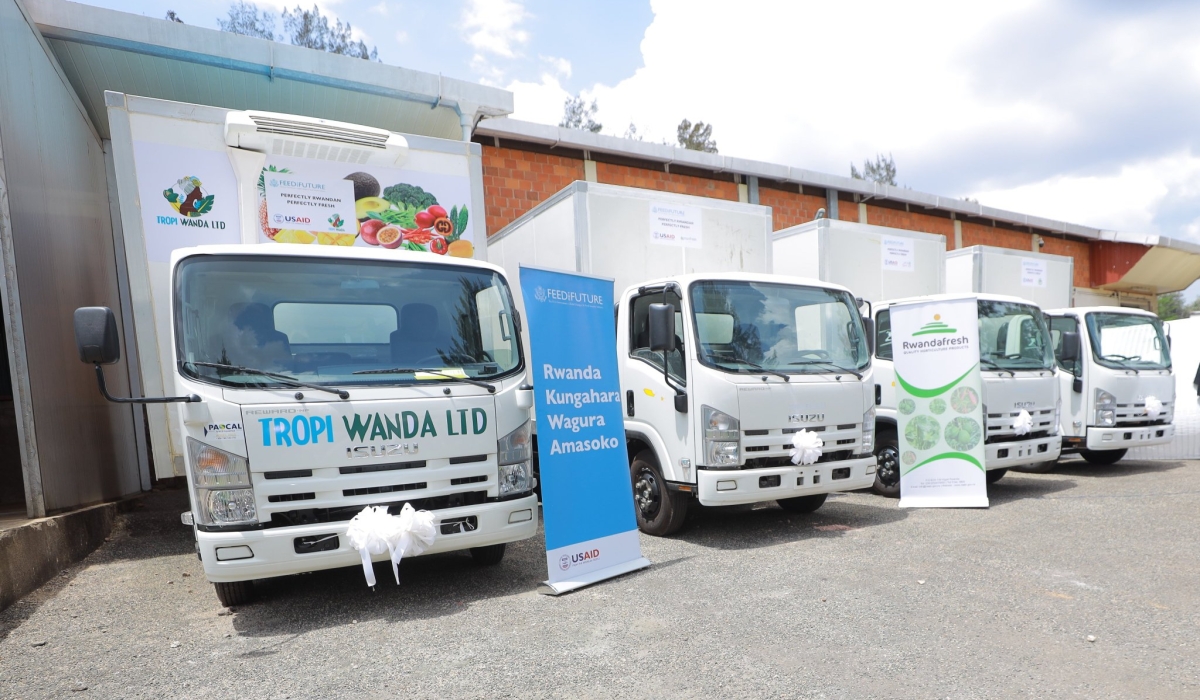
{"type": "Point", "coordinates": [766, 524]}
{"type": "Point", "coordinates": [1080, 467]}
{"type": "Point", "coordinates": [1016, 486]}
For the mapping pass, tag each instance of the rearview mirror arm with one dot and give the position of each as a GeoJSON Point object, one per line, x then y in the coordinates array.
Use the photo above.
{"type": "Point", "coordinates": [192, 398]}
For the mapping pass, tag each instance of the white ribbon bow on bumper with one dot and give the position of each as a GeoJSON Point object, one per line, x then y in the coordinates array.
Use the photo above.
{"type": "Point", "coordinates": [806, 447]}
{"type": "Point", "coordinates": [1153, 407]}
{"type": "Point", "coordinates": [373, 531]}
{"type": "Point", "coordinates": [1023, 423]}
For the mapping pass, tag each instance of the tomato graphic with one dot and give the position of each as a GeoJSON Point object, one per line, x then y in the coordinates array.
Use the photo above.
{"type": "Point", "coordinates": [438, 245]}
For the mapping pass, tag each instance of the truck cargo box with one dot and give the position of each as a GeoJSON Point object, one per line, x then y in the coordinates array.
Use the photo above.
{"type": "Point", "coordinates": [1042, 278]}
{"type": "Point", "coordinates": [874, 262]}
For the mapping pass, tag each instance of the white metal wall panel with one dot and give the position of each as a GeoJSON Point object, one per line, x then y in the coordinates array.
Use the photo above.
{"type": "Point", "coordinates": [63, 257]}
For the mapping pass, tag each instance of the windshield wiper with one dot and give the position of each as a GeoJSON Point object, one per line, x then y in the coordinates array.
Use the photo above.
{"type": "Point", "coordinates": [839, 368]}
{"type": "Point", "coordinates": [413, 370]}
{"type": "Point", "coordinates": [760, 368]}
{"type": "Point", "coordinates": [341, 393]}
{"type": "Point", "coordinates": [1124, 361]}
{"type": "Point", "coordinates": [991, 364]}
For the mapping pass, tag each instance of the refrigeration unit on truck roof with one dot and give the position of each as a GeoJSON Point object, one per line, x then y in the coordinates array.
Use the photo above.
{"type": "Point", "coordinates": [1043, 278]}
{"type": "Point", "coordinates": [875, 262]}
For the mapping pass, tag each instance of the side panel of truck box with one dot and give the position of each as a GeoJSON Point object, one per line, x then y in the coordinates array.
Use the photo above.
{"type": "Point", "coordinates": [1047, 280]}
{"type": "Point", "coordinates": [874, 262]}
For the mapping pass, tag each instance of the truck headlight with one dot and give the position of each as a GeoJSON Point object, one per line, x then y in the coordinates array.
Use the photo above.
{"type": "Point", "coordinates": [513, 452]}
{"type": "Point", "coordinates": [1106, 409]}
{"type": "Point", "coordinates": [868, 432]}
{"type": "Point", "coordinates": [222, 483]}
{"type": "Point", "coordinates": [721, 438]}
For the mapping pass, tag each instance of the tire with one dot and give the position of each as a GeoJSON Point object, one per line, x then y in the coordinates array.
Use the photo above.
{"type": "Point", "coordinates": [660, 511]}
{"type": "Point", "coordinates": [233, 593]}
{"type": "Point", "coordinates": [1103, 456]}
{"type": "Point", "coordinates": [995, 475]}
{"type": "Point", "coordinates": [1039, 468]}
{"type": "Point", "coordinates": [489, 555]}
{"type": "Point", "coordinates": [803, 504]}
{"type": "Point", "coordinates": [887, 471]}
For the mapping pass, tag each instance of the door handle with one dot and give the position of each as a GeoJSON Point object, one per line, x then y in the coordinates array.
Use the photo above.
{"type": "Point", "coordinates": [629, 403]}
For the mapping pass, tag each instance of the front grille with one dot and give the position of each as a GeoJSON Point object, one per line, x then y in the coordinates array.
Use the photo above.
{"type": "Point", "coordinates": [291, 474]}
{"type": "Point", "coordinates": [309, 516]}
{"type": "Point", "coordinates": [771, 462]}
{"type": "Point", "coordinates": [367, 468]}
{"type": "Point", "coordinates": [1013, 437]}
{"type": "Point", "coordinates": [283, 498]}
{"type": "Point", "coordinates": [469, 480]}
{"type": "Point", "coordinates": [370, 490]}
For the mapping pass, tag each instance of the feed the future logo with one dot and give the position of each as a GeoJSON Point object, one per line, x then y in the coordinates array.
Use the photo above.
{"type": "Point", "coordinates": [189, 201]}
{"type": "Point", "coordinates": [934, 327]}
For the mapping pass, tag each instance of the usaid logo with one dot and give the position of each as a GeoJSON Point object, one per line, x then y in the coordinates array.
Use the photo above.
{"type": "Point", "coordinates": [563, 296]}
{"type": "Point", "coordinates": [566, 561]}
{"type": "Point", "coordinates": [281, 219]}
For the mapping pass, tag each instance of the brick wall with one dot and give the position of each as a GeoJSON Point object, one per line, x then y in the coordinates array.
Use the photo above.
{"type": "Point", "coordinates": [789, 208]}
{"type": "Point", "coordinates": [515, 181]}
{"type": "Point", "coordinates": [632, 176]}
{"type": "Point", "coordinates": [1111, 260]}
{"type": "Point", "coordinates": [986, 234]}
{"type": "Point", "coordinates": [912, 221]}
{"type": "Point", "coordinates": [1078, 250]}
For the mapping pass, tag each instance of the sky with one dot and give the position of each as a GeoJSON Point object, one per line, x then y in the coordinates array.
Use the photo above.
{"type": "Point", "coordinates": [1087, 112]}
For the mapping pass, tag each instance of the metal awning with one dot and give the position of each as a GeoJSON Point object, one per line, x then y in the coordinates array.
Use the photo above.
{"type": "Point", "coordinates": [101, 49]}
{"type": "Point", "coordinates": [1168, 265]}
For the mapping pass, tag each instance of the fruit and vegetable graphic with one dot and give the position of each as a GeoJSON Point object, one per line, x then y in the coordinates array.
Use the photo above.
{"type": "Point", "coordinates": [187, 199]}
{"type": "Point", "coordinates": [937, 406]}
{"type": "Point", "coordinates": [963, 434]}
{"type": "Point", "coordinates": [964, 399]}
{"type": "Point", "coordinates": [922, 432]}
{"type": "Point", "coordinates": [400, 216]}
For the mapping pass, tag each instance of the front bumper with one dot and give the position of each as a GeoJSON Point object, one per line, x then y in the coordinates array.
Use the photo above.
{"type": "Point", "coordinates": [1020, 453]}
{"type": "Point", "coordinates": [274, 552]}
{"type": "Point", "coordinates": [727, 488]}
{"type": "Point", "coordinates": [1134, 436]}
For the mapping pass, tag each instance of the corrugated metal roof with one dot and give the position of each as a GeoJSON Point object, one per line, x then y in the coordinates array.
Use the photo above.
{"type": "Point", "coordinates": [101, 49]}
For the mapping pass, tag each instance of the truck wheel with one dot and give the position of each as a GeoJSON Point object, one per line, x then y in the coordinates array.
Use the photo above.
{"type": "Point", "coordinates": [233, 593]}
{"type": "Point", "coordinates": [995, 475]}
{"type": "Point", "coordinates": [660, 511]}
{"type": "Point", "coordinates": [803, 504]}
{"type": "Point", "coordinates": [1103, 456]}
{"type": "Point", "coordinates": [489, 555]}
{"type": "Point", "coordinates": [887, 471]}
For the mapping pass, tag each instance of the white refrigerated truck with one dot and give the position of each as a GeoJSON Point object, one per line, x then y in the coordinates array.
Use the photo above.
{"type": "Point", "coordinates": [721, 362]}
{"type": "Point", "coordinates": [1018, 368]}
{"type": "Point", "coordinates": [306, 382]}
{"type": "Point", "coordinates": [884, 265]}
{"type": "Point", "coordinates": [1116, 380]}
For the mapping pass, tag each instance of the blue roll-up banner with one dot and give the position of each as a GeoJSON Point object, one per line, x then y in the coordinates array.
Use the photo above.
{"type": "Point", "coordinates": [587, 499]}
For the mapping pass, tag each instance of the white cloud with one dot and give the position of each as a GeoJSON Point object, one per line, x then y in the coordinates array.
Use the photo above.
{"type": "Point", "coordinates": [492, 27]}
{"type": "Point", "coordinates": [561, 66]}
{"type": "Point", "coordinates": [540, 102]}
{"type": "Point", "coordinates": [380, 9]}
{"type": "Point", "coordinates": [401, 36]}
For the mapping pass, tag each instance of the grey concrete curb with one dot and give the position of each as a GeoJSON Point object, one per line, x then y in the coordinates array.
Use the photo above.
{"type": "Point", "coordinates": [32, 554]}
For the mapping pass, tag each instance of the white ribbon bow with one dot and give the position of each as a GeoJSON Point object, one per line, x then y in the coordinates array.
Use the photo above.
{"type": "Point", "coordinates": [806, 447]}
{"type": "Point", "coordinates": [1153, 407]}
{"type": "Point", "coordinates": [373, 531]}
{"type": "Point", "coordinates": [1023, 423]}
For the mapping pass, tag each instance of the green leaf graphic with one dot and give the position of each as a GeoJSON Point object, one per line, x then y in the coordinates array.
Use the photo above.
{"type": "Point", "coordinates": [204, 205]}
{"type": "Point", "coordinates": [947, 455]}
{"type": "Point", "coordinates": [930, 393]}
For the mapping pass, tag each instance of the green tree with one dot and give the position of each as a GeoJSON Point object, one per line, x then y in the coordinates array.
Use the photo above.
{"type": "Point", "coordinates": [881, 170]}
{"type": "Point", "coordinates": [246, 19]}
{"type": "Point", "coordinates": [174, 17]}
{"type": "Point", "coordinates": [1172, 306]}
{"type": "Point", "coordinates": [696, 137]}
{"type": "Point", "coordinates": [311, 29]}
{"type": "Point", "coordinates": [578, 114]}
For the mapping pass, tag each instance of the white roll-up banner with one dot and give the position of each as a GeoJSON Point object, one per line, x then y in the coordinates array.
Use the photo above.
{"type": "Point", "coordinates": [939, 404]}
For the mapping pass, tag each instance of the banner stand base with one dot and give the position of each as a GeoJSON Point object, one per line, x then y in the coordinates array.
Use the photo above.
{"type": "Point", "coordinates": [560, 587]}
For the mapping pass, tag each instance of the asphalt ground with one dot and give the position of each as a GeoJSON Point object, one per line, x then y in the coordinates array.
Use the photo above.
{"type": "Point", "coordinates": [1080, 583]}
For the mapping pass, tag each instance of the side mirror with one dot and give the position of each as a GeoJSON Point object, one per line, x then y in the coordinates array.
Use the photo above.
{"type": "Point", "coordinates": [1077, 385]}
{"type": "Point", "coordinates": [96, 335]}
{"type": "Point", "coordinates": [869, 327]}
{"type": "Point", "coordinates": [662, 327]}
{"type": "Point", "coordinates": [1070, 347]}
{"type": "Point", "coordinates": [681, 403]}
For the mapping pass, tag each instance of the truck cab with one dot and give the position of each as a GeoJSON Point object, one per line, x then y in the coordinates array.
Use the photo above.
{"type": "Point", "coordinates": [721, 371]}
{"type": "Point", "coordinates": [316, 381]}
{"type": "Point", "coordinates": [1118, 391]}
{"type": "Point", "coordinates": [1018, 372]}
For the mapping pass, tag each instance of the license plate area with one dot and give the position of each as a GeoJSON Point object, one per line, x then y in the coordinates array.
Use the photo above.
{"type": "Point", "coordinates": [454, 526]}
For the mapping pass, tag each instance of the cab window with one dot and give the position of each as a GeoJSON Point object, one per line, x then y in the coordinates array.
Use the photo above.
{"type": "Point", "coordinates": [883, 335]}
{"type": "Point", "coordinates": [639, 333]}
{"type": "Point", "coordinates": [1058, 326]}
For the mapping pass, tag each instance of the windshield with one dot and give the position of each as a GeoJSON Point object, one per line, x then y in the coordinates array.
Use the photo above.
{"type": "Point", "coordinates": [751, 326]}
{"type": "Point", "coordinates": [1013, 337]}
{"type": "Point", "coordinates": [1128, 341]}
{"type": "Point", "coordinates": [325, 321]}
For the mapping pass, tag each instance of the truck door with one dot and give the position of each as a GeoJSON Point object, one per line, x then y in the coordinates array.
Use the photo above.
{"type": "Point", "coordinates": [1074, 403]}
{"type": "Point", "coordinates": [884, 370]}
{"type": "Point", "coordinates": [647, 393]}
